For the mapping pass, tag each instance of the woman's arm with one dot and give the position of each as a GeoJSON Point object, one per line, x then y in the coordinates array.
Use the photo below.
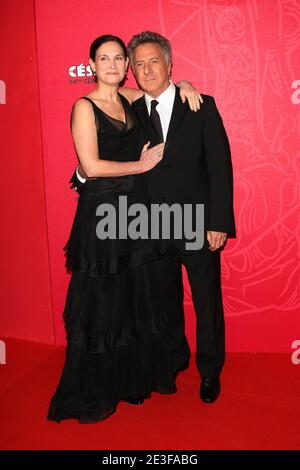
{"type": "Point", "coordinates": [187, 91]}
{"type": "Point", "coordinates": [85, 140]}
{"type": "Point", "coordinates": [131, 94]}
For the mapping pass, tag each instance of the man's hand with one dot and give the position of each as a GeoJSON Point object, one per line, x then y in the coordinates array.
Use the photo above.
{"type": "Point", "coordinates": [216, 239]}
{"type": "Point", "coordinates": [189, 92]}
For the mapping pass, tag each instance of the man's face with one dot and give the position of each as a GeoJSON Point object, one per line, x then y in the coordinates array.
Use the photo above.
{"type": "Point", "coordinates": [151, 69]}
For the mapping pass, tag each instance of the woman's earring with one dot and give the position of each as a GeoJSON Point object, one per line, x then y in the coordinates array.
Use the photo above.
{"type": "Point", "coordinates": [94, 73]}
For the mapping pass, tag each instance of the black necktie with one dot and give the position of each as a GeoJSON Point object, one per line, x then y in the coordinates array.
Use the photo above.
{"type": "Point", "coordinates": [155, 120]}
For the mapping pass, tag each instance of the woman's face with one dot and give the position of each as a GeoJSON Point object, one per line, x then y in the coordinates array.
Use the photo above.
{"type": "Point", "coordinates": [110, 64]}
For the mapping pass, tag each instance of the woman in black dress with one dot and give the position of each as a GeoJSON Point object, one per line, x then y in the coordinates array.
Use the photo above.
{"type": "Point", "coordinates": [118, 347]}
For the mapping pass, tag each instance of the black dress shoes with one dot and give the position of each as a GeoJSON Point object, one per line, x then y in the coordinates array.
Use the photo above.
{"type": "Point", "coordinates": [210, 389]}
{"type": "Point", "coordinates": [134, 401]}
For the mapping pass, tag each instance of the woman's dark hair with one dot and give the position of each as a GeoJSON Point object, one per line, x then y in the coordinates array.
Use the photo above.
{"type": "Point", "coordinates": [103, 39]}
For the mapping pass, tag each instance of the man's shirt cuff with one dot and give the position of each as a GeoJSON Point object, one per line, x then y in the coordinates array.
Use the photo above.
{"type": "Point", "coordinates": [82, 180]}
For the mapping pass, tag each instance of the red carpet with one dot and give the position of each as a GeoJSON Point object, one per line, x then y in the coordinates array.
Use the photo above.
{"type": "Point", "coordinates": [258, 408]}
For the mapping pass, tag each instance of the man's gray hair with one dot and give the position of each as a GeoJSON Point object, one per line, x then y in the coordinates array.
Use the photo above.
{"type": "Point", "coordinates": [149, 36]}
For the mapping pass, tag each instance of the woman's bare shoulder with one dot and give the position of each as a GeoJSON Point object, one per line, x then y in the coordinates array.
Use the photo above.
{"type": "Point", "coordinates": [82, 105]}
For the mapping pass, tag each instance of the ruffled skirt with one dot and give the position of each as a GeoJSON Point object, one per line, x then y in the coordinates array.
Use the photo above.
{"type": "Point", "coordinates": [118, 344]}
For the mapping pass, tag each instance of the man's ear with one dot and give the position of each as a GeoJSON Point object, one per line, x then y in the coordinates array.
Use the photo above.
{"type": "Point", "coordinates": [170, 69]}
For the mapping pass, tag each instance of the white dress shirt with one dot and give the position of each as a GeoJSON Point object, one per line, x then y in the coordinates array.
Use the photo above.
{"type": "Point", "coordinates": [164, 107]}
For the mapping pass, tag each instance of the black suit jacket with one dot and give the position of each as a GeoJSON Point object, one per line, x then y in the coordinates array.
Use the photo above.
{"type": "Point", "coordinates": [196, 166]}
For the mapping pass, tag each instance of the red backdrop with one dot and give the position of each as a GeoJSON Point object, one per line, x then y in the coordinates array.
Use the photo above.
{"type": "Point", "coordinates": [246, 54]}
{"type": "Point", "coordinates": [26, 306]}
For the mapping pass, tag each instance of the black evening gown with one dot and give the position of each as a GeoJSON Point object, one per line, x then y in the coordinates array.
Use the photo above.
{"type": "Point", "coordinates": [116, 326]}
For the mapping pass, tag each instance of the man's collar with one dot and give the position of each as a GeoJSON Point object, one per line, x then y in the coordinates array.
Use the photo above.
{"type": "Point", "coordinates": [165, 98]}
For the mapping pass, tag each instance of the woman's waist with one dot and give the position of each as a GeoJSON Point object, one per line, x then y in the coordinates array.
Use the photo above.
{"type": "Point", "coordinates": [120, 184]}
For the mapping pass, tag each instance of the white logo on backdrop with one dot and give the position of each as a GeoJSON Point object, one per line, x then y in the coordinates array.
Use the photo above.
{"type": "Point", "coordinates": [81, 74]}
{"type": "Point", "coordinates": [2, 92]}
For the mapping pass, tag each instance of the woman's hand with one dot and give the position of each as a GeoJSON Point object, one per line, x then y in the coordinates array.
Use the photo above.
{"type": "Point", "coordinates": [189, 92]}
{"type": "Point", "coordinates": [151, 157]}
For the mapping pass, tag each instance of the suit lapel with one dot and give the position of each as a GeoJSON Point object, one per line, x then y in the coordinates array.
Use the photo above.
{"type": "Point", "coordinates": [141, 112]}
{"type": "Point", "coordinates": [179, 109]}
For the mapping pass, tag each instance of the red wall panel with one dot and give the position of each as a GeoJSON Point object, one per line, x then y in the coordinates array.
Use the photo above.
{"type": "Point", "coordinates": [26, 303]}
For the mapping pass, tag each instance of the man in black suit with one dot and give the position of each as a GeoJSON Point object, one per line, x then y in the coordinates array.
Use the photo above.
{"type": "Point", "coordinates": [196, 169]}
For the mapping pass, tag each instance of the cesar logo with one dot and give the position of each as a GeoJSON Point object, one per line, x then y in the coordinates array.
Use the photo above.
{"type": "Point", "coordinates": [80, 71]}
